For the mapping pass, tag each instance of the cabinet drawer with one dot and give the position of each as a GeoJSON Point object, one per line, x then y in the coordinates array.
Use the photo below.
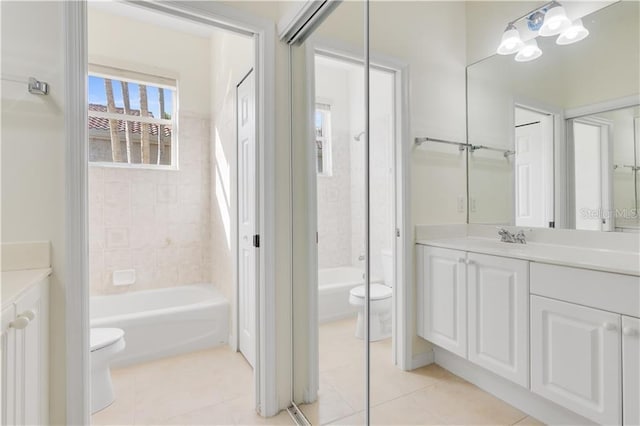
{"type": "Point", "coordinates": [602, 290]}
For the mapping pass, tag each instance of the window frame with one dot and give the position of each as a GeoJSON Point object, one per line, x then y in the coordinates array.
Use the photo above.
{"type": "Point", "coordinates": [324, 107]}
{"type": "Point", "coordinates": [150, 80]}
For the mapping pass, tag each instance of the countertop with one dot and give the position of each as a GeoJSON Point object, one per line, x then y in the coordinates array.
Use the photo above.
{"type": "Point", "coordinates": [15, 283]}
{"type": "Point", "coordinates": [619, 262]}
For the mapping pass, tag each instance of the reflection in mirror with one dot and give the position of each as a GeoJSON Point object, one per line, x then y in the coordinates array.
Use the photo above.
{"type": "Point", "coordinates": [522, 169]}
{"type": "Point", "coordinates": [329, 373]}
{"type": "Point", "coordinates": [605, 164]}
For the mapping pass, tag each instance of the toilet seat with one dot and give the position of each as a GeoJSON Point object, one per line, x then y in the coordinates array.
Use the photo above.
{"type": "Point", "coordinates": [376, 292]}
{"type": "Point", "coordinates": [103, 337]}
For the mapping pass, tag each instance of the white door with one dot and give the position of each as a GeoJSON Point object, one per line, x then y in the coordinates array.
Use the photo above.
{"type": "Point", "coordinates": [32, 356]}
{"type": "Point", "coordinates": [591, 175]}
{"type": "Point", "coordinates": [8, 356]}
{"type": "Point", "coordinates": [575, 358]}
{"type": "Point", "coordinates": [631, 370]}
{"type": "Point", "coordinates": [442, 302]}
{"type": "Point", "coordinates": [247, 228]}
{"type": "Point", "coordinates": [498, 291]}
{"type": "Point", "coordinates": [531, 200]}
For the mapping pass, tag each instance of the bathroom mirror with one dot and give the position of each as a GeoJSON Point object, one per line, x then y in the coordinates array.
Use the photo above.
{"type": "Point", "coordinates": [551, 139]}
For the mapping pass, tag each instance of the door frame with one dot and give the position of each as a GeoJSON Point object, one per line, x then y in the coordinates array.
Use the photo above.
{"type": "Point", "coordinates": [76, 199]}
{"type": "Point", "coordinates": [402, 336]}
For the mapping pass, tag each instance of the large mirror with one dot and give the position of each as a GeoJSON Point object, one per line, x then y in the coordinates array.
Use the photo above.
{"type": "Point", "coordinates": [553, 142]}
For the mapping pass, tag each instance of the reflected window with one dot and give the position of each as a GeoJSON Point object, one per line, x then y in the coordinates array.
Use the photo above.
{"type": "Point", "coordinates": [323, 139]}
{"type": "Point", "coordinates": [132, 119]}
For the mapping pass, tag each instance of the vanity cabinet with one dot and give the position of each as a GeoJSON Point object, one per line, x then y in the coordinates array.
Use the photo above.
{"type": "Point", "coordinates": [631, 369]}
{"type": "Point", "coordinates": [442, 316]}
{"type": "Point", "coordinates": [576, 359]}
{"type": "Point", "coordinates": [476, 306]}
{"type": "Point", "coordinates": [25, 358]}
{"type": "Point", "coordinates": [498, 315]}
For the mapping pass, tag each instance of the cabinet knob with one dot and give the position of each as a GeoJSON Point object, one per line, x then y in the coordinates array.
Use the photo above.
{"type": "Point", "coordinates": [470, 262]}
{"type": "Point", "coordinates": [629, 331]}
{"type": "Point", "coordinates": [30, 315]}
{"type": "Point", "coordinates": [609, 326]}
{"type": "Point", "coordinates": [462, 260]}
{"type": "Point", "coordinates": [20, 322]}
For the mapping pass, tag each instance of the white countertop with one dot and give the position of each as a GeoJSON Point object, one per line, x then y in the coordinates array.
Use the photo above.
{"type": "Point", "coordinates": [13, 283]}
{"type": "Point", "coordinates": [620, 262]}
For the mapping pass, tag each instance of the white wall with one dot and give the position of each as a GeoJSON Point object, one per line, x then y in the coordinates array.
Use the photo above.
{"type": "Point", "coordinates": [232, 57]}
{"type": "Point", "coordinates": [155, 221]}
{"type": "Point", "coordinates": [33, 147]}
{"type": "Point", "coordinates": [334, 191]}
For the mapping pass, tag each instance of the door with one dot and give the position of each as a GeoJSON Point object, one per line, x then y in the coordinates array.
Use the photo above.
{"type": "Point", "coordinates": [631, 370]}
{"type": "Point", "coordinates": [442, 302]}
{"type": "Point", "coordinates": [533, 168]}
{"type": "Point", "coordinates": [591, 175]}
{"type": "Point", "coordinates": [498, 289]}
{"type": "Point", "coordinates": [8, 367]}
{"type": "Point", "coordinates": [32, 356]}
{"type": "Point", "coordinates": [575, 358]}
{"type": "Point", "coordinates": [247, 228]}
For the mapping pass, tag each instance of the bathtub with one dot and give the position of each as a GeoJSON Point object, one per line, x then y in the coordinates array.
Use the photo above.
{"type": "Point", "coordinates": [334, 285]}
{"type": "Point", "coordinates": [164, 322]}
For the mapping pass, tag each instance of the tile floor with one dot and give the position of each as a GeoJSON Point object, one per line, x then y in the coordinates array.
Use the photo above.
{"type": "Point", "coordinates": [215, 387]}
{"type": "Point", "coordinates": [210, 387]}
{"type": "Point", "coordinates": [429, 395]}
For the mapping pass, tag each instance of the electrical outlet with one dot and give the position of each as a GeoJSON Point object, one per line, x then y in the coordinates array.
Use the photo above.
{"type": "Point", "coordinates": [460, 204]}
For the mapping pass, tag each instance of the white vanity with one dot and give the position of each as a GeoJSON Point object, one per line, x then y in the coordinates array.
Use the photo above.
{"type": "Point", "coordinates": [559, 321]}
{"type": "Point", "coordinates": [25, 333]}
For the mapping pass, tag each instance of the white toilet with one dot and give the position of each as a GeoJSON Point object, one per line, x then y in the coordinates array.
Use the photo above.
{"type": "Point", "coordinates": [105, 344]}
{"type": "Point", "coordinates": [380, 305]}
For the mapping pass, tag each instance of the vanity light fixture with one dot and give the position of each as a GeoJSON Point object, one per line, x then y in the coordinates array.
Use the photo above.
{"type": "Point", "coordinates": [555, 20]}
{"type": "Point", "coordinates": [511, 41]}
{"type": "Point", "coordinates": [573, 34]}
{"type": "Point", "coordinates": [529, 51]}
{"type": "Point", "coordinates": [547, 20]}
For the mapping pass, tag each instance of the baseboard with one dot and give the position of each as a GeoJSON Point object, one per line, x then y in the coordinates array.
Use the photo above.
{"type": "Point", "coordinates": [420, 360]}
{"type": "Point", "coordinates": [513, 394]}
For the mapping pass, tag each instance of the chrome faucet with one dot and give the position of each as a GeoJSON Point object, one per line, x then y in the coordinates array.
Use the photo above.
{"type": "Point", "coordinates": [508, 237]}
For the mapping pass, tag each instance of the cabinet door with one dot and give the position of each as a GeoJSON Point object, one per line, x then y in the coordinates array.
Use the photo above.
{"type": "Point", "coordinates": [631, 370]}
{"type": "Point", "coordinates": [32, 357]}
{"type": "Point", "coordinates": [8, 367]}
{"type": "Point", "coordinates": [575, 358]}
{"type": "Point", "coordinates": [498, 290]}
{"type": "Point", "coordinates": [442, 304]}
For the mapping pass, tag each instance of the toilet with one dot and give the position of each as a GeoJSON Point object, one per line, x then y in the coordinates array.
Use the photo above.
{"type": "Point", "coordinates": [380, 305]}
{"type": "Point", "coordinates": [105, 344]}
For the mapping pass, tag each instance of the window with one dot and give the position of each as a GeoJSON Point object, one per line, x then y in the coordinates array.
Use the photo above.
{"type": "Point", "coordinates": [323, 139]}
{"type": "Point", "coordinates": [132, 119]}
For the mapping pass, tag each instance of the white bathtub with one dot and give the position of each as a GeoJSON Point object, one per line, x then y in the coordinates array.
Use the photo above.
{"type": "Point", "coordinates": [334, 285]}
{"type": "Point", "coordinates": [164, 322]}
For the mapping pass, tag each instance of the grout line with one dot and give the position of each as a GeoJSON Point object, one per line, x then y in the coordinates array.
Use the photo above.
{"type": "Point", "coordinates": [520, 420]}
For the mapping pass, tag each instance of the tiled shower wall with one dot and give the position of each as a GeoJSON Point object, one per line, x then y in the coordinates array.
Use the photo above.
{"type": "Point", "coordinates": [154, 221]}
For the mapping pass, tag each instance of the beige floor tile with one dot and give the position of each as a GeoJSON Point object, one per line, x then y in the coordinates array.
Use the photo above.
{"type": "Point", "coordinates": [402, 411]}
{"type": "Point", "coordinates": [329, 407]}
{"type": "Point", "coordinates": [459, 402]}
{"type": "Point", "coordinates": [122, 411]}
{"type": "Point", "coordinates": [530, 421]}
{"type": "Point", "coordinates": [353, 420]}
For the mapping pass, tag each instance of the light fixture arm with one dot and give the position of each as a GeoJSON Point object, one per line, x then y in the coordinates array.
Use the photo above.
{"type": "Point", "coordinates": [531, 12]}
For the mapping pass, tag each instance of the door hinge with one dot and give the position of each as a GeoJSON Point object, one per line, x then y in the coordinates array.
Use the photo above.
{"type": "Point", "coordinates": [256, 241]}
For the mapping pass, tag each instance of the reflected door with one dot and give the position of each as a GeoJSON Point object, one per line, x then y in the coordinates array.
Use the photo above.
{"type": "Point", "coordinates": [530, 196]}
{"type": "Point", "coordinates": [248, 239]}
{"type": "Point", "coordinates": [590, 140]}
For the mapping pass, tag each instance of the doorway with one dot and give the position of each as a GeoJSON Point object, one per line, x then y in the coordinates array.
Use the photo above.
{"type": "Point", "coordinates": [264, 398]}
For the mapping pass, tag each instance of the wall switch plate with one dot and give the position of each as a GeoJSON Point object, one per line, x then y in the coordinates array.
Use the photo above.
{"type": "Point", "coordinates": [473, 204]}
{"type": "Point", "coordinates": [460, 204]}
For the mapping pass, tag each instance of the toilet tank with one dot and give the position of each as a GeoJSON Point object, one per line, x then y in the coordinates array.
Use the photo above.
{"type": "Point", "coordinates": [387, 267]}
